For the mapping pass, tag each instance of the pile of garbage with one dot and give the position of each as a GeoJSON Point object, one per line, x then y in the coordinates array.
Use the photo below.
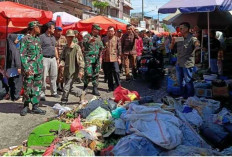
{"type": "Point", "coordinates": [133, 126]}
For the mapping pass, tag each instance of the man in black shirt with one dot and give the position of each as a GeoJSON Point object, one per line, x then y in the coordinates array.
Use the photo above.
{"type": "Point", "coordinates": [214, 47]}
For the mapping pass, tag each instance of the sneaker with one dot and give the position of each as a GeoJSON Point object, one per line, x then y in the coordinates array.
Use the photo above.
{"type": "Point", "coordinates": [56, 96]}
{"type": "Point", "coordinates": [7, 97]}
{"type": "Point", "coordinates": [24, 111]}
{"type": "Point", "coordinates": [37, 110]}
{"type": "Point", "coordinates": [18, 100]}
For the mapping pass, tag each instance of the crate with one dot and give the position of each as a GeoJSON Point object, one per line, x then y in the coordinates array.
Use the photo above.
{"type": "Point", "coordinates": [171, 88]}
{"type": "Point", "coordinates": [210, 78]}
{"type": "Point", "coordinates": [173, 60]}
{"type": "Point", "coordinates": [220, 91]}
{"type": "Point", "coordinates": [201, 92]}
{"type": "Point", "coordinates": [223, 78]}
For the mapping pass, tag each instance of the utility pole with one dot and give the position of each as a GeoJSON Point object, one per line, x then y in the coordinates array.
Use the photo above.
{"type": "Point", "coordinates": [142, 10]}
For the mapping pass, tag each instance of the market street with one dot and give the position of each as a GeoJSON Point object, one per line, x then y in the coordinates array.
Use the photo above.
{"type": "Point", "coordinates": [14, 129]}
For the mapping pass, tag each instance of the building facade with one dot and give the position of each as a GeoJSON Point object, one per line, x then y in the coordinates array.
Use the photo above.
{"type": "Point", "coordinates": [82, 9]}
{"type": "Point", "coordinates": [74, 7]}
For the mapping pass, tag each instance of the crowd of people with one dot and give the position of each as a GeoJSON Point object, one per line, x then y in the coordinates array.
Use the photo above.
{"type": "Point", "coordinates": [37, 57]}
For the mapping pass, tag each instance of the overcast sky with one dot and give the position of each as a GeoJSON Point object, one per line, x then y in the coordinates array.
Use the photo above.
{"type": "Point", "coordinates": [150, 7]}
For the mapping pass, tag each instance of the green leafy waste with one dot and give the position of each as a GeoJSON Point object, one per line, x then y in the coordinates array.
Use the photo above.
{"type": "Point", "coordinates": [27, 152]}
{"type": "Point", "coordinates": [41, 136]}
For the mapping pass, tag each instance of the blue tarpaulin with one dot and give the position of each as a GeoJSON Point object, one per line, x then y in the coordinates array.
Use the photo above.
{"type": "Point", "coordinates": [120, 20]}
{"type": "Point", "coordinates": [191, 6]}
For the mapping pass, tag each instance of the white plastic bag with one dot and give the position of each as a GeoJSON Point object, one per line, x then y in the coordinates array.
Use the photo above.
{"type": "Point", "coordinates": [99, 114]}
{"type": "Point", "coordinates": [194, 118]}
{"type": "Point", "coordinates": [60, 109]}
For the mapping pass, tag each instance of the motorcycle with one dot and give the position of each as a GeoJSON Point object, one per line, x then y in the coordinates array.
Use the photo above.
{"type": "Point", "coordinates": [150, 67]}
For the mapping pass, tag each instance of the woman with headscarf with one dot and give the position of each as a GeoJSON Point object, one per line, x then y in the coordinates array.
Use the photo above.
{"type": "Point", "coordinates": [13, 67]}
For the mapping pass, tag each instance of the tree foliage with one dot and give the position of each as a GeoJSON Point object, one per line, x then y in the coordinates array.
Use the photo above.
{"type": "Point", "coordinates": [165, 27]}
{"type": "Point", "coordinates": [100, 5]}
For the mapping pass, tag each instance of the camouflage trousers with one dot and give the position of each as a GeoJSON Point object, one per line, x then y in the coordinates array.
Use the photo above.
{"type": "Point", "coordinates": [92, 68]}
{"type": "Point", "coordinates": [32, 88]}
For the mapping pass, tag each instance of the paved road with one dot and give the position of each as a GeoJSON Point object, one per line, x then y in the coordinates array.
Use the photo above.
{"type": "Point", "coordinates": [14, 129]}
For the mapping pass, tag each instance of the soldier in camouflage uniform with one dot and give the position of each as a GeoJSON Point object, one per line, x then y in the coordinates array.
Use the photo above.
{"type": "Point", "coordinates": [73, 62]}
{"type": "Point", "coordinates": [75, 39]}
{"type": "Point", "coordinates": [92, 46]}
{"type": "Point", "coordinates": [61, 42]}
{"type": "Point", "coordinates": [31, 57]}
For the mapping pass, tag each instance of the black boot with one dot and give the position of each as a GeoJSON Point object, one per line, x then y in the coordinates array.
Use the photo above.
{"type": "Point", "coordinates": [64, 101]}
{"type": "Point", "coordinates": [24, 110]}
{"type": "Point", "coordinates": [60, 87]}
{"type": "Point", "coordinates": [85, 87]}
{"type": "Point", "coordinates": [95, 91]}
{"type": "Point", "coordinates": [37, 110]}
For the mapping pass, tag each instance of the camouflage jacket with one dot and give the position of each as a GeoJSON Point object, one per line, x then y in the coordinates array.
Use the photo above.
{"type": "Point", "coordinates": [72, 60]}
{"type": "Point", "coordinates": [75, 40]}
{"type": "Point", "coordinates": [60, 44]}
{"type": "Point", "coordinates": [31, 54]}
{"type": "Point", "coordinates": [92, 48]}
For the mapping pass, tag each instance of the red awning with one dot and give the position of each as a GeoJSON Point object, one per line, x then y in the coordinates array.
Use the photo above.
{"type": "Point", "coordinates": [104, 22]}
{"type": "Point", "coordinates": [20, 15]}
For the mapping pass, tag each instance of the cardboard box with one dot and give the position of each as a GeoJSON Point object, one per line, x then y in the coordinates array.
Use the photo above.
{"type": "Point", "coordinates": [220, 91]}
{"type": "Point", "coordinates": [201, 92]}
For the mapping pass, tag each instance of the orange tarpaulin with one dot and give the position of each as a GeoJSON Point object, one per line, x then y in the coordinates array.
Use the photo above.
{"type": "Point", "coordinates": [104, 22]}
{"type": "Point", "coordinates": [20, 15]}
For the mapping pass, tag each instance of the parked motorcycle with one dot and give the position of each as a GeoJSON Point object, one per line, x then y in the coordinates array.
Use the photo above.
{"type": "Point", "coordinates": [151, 68]}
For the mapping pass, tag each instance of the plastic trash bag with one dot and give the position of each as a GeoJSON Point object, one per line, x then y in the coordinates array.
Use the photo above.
{"type": "Point", "coordinates": [203, 105]}
{"type": "Point", "coordinates": [120, 127]}
{"type": "Point", "coordinates": [60, 109]}
{"type": "Point", "coordinates": [146, 99]}
{"type": "Point", "coordinates": [194, 118]}
{"type": "Point", "coordinates": [134, 145]}
{"type": "Point", "coordinates": [76, 124]}
{"type": "Point", "coordinates": [123, 94]}
{"type": "Point", "coordinates": [154, 123]}
{"type": "Point", "coordinates": [90, 133]}
{"type": "Point", "coordinates": [51, 148]}
{"type": "Point", "coordinates": [117, 112]}
{"type": "Point", "coordinates": [227, 151]}
{"type": "Point", "coordinates": [223, 117]}
{"type": "Point", "coordinates": [72, 149]}
{"type": "Point", "coordinates": [217, 136]}
{"type": "Point", "coordinates": [99, 114]}
{"type": "Point", "coordinates": [108, 105]}
{"type": "Point", "coordinates": [107, 151]}
{"type": "Point", "coordinates": [190, 136]}
{"type": "Point", "coordinates": [189, 151]}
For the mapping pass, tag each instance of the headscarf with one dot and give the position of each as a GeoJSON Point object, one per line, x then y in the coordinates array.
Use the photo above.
{"type": "Point", "coordinates": [13, 55]}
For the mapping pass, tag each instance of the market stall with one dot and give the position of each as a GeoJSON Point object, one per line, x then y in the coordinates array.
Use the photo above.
{"type": "Point", "coordinates": [15, 17]}
{"type": "Point", "coordinates": [197, 6]}
{"type": "Point", "coordinates": [104, 22]}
